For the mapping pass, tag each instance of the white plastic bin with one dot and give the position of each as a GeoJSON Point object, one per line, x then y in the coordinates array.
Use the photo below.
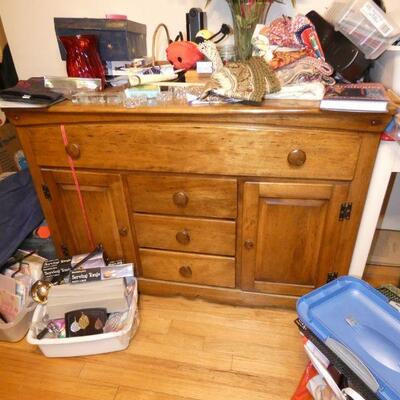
{"type": "Point", "coordinates": [86, 345]}
{"type": "Point", "coordinates": [16, 330]}
{"type": "Point", "coordinates": [364, 24]}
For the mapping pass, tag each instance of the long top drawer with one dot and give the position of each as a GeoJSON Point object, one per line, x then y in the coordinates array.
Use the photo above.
{"type": "Point", "coordinates": [217, 149]}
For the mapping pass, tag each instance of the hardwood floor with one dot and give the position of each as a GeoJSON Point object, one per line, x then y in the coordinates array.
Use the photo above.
{"type": "Point", "coordinates": [183, 350]}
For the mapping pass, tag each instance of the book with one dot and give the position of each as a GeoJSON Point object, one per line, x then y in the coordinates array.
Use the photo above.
{"type": "Point", "coordinates": [356, 97]}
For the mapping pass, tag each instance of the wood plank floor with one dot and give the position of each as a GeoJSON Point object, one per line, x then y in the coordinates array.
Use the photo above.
{"type": "Point", "coordinates": [183, 350]}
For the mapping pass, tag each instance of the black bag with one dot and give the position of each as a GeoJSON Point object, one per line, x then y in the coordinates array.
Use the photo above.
{"type": "Point", "coordinates": [345, 58]}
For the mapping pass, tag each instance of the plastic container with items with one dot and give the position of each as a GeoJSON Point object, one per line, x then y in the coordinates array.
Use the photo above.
{"type": "Point", "coordinates": [111, 341]}
{"type": "Point", "coordinates": [364, 24]}
{"type": "Point", "coordinates": [14, 331]}
{"type": "Point", "coordinates": [16, 305]}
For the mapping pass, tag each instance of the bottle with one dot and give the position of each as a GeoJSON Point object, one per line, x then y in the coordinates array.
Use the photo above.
{"type": "Point", "coordinates": [227, 53]}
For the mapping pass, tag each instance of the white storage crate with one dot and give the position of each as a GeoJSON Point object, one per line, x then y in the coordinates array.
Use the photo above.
{"type": "Point", "coordinates": [86, 345]}
{"type": "Point", "coordinates": [364, 24]}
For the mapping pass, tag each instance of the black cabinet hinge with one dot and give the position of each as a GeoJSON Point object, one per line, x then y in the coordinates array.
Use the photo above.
{"type": "Point", "coordinates": [345, 211]}
{"type": "Point", "coordinates": [46, 192]}
{"type": "Point", "coordinates": [332, 276]}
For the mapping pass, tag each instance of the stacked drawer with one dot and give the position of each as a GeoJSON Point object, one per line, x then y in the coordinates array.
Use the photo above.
{"type": "Point", "coordinates": [185, 227]}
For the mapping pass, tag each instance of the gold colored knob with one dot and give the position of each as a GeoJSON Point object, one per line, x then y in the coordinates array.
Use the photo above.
{"type": "Point", "coordinates": [185, 271]}
{"type": "Point", "coordinates": [123, 231]}
{"type": "Point", "coordinates": [297, 157]}
{"type": "Point", "coordinates": [248, 244]}
{"type": "Point", "coordinates": [183, 237]}
{"type": "Point", "coordinates": [180, 199]}
{"type": "Point", "coordinates": [73, 150]}
{"type": "Point", "coordinates": [40, 291]}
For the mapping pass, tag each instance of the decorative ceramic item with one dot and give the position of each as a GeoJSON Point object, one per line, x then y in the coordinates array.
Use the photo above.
{"type": "Point", "coordinates": [84, 321]}
{"type": "Point", "coordinates": [75, 327]}
{"type": "Point", "coordinates": [83, 59]}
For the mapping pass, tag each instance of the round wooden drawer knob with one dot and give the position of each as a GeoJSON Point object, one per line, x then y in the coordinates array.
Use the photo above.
{"type": "Point", "coordinates": [185, 271]}
{"type": "Point", "coordinates": [73, 150]}
{"type": "Point", "coordinates": [180, 199]}
{"type": "Point", "coordinates": [248, 244]}
{"type": "Point", "coordinates": [183, 237]}
{"type": "Point", "coordinates": [297, 157]}
{"type": "Point", "coordinates": [123, 231]}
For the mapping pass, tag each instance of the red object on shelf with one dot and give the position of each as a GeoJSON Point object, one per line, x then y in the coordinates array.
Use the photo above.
{"type": "Point", "coordinates": [116, 16]}
{"type": "Point", "coordinates": [83, 59]}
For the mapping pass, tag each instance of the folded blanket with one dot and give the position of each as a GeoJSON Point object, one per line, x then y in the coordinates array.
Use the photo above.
{"type": "Point", "coordinates": [300, 91]}
{"type": "Point", "coordinates": [246, 80]}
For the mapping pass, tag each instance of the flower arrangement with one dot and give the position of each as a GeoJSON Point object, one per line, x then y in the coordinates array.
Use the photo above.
{"type": "Point", "coordinates": [246, 14]}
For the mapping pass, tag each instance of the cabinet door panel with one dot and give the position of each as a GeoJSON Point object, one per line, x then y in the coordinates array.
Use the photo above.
{"type": "Point", "coordinates": [289, 230]}
{"type": "Point", "coordinates": [290, 233]}
{"type": "Point", "coordinates": [104, 200]}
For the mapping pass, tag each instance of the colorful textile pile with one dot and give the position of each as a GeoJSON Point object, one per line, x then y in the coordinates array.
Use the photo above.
{"type": "Point", "coordinates": [287, 55]}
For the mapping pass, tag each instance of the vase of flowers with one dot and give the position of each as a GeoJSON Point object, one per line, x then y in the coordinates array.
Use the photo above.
{"type": "Point", "coordinates": [246, 14]}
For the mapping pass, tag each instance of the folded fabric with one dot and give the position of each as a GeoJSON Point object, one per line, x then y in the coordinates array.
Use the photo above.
{"type": "Point", "coordinates": [306, 69]}
{"type": "Point", "coordinates": [300, 91]}
{"type": "Point", "coordinates": [282, 58]}
{"type": "Point", "coordinates": [296, 33]}
{"type": "Point", "coordinates": [246, 80]}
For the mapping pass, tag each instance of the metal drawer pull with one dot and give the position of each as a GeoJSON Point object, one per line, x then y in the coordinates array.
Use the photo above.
{"type": "Point", "coordinates": [180, 199]}
{"type": "Point", "coordinates": [185, 271]}
{"type": "Point", "coordinates": [183, 237]}
{"type": "Point", "coordinates": [297, 157]}
{"type": "Point", "coordinates": [73, 150]}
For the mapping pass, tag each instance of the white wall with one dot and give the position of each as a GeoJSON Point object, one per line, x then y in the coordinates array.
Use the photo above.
{"type": "Point", "coordinates": [30, 28]}
{"type": "Point", "coordinates": [29, 24]}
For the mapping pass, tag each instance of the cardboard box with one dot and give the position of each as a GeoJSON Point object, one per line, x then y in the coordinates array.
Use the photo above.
{"type": "Point", "coordinates": [119, 40]}
{"type": "Point", "coordinates": [9, 145]}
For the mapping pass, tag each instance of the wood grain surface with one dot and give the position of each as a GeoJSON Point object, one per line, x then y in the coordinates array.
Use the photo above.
{"type": "Point", "coordinates": [184, 350]}
{"type": "Point", "coordinates": [206, 197]}
{"type": "Point", "coordinates": [201, 148]}
{"type": "Point", "coordinates": [205, 269]}
{"type": "Point", "coordinates": [291, 113]}
{"type": "Point", "coordinates": [208, 236]}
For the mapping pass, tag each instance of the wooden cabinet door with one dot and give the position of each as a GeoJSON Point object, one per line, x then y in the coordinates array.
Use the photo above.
{"type": "Point", "coordinates": [104, 199]}
{"type": "Point", "coordinates": [290, 234]}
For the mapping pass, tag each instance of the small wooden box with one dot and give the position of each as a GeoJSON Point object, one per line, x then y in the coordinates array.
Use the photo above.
{"type": "Point", "coordinates": [119, 40]}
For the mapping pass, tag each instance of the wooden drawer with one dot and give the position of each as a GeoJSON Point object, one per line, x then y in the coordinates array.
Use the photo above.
{"type": "Point", "coordinates": [179, 195]}
{"type": "Point", "coordinates": [188, 268]}
{"type": "Point", "coordinates": [204, 148]}
{"type": "Point", "coordinates": [186, 234]}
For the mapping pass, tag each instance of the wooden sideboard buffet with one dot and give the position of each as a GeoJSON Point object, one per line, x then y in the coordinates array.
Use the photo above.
{"type": "Point", "coordinates": [239, 204]}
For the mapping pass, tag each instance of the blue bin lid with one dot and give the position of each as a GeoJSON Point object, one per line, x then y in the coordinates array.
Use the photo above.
{"type": "Point", "coordinates": [357, 322]}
